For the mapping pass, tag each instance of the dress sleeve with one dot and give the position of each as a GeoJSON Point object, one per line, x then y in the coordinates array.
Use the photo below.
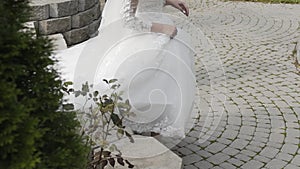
{"type": "Point", "coordinates": [130, 20]}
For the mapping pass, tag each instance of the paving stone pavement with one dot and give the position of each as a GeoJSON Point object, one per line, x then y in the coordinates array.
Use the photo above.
{"type": "Point", "coordinates": [258, 124]}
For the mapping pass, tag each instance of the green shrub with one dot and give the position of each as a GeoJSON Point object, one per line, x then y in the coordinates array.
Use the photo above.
{"type": "Point", "coordinates": [33, 133]}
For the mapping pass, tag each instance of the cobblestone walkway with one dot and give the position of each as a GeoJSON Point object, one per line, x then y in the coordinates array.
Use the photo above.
{"type": "Point", "coordinates": [259, 127]}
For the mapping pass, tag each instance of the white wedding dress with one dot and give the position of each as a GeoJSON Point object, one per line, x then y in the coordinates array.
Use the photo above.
{"type": "Point", "coordinates": [155, 72]}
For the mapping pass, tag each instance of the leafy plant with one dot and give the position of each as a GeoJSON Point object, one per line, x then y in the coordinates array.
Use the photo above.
{"type": "Point", "coordinates": [102, 118]}
{"type": "Point", "coordinates": [34, 133]}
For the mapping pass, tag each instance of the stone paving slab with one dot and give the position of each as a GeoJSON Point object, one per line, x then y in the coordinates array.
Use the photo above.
{"type": "Point", "coordinates": [258, 126]}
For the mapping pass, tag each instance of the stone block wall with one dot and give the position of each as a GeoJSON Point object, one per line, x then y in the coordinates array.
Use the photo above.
{"type": "Point", "coordinates": [76, 20]}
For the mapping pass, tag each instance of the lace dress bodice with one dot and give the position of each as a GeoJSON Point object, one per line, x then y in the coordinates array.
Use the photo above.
{"type": "Point", "coordinates": [135, 13]}
{"type": "Point", "coordinates": [150, 5]}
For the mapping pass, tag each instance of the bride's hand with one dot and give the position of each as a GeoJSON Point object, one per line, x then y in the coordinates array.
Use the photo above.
{"type": "Point", "coordinates": [169, 30]}
{"type": "Point", "coordinates": [179, 5]}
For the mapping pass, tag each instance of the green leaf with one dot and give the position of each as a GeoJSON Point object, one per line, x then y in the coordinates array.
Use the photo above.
{"type": "Point", "coordinates": [104, 96]}
{"type": "Point", "coordinates": [116, 119]}
{"type": "Point", "coordinates": [77, 93]}
{"type": "Point", "coordinates": [104, 163]}
{"type": "Point", "coordinates": [113, 80]}
{"type": "Point", "coordinates": [127, 102]}
{"type": "Point", "coordinates": [113, 147]}
{"type": "Point", "coordinates": [120, 160]}
{"type": "Point", "coordinates": [83, 93]}
{"type": "Point", "coordinates": [108, 102]}
{"type": "Point", "coordinates": [121, 131]}
{"type": "Point", "coordinates": [129, 164]}
{"type": "Point", "coordinates": [105, 81]}
{"type": "Point", "coordinates": [85, 87]}
{"type": "Point", "coordinates": [96, 93]}
{"type": "Point", "coordinates": [106, 153]}
{"type": "Point", "coordinates": [129, 136]}
{"type": "Point", "coordinates": [64, 89]}
{"type": "Point", "coordinates": [112, 162]}
{"type": "Point", "coordinates": [68, 106]}
{"type": "Point", "coordinates": [68, 83]}
{"type": "Point", "coordinates": [114, 86]}
{"type": "Point", "coordinates": [107, 108]}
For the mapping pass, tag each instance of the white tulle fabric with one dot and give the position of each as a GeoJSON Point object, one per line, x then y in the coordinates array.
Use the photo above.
{"type": "Point", "coordinates": [155, 72]}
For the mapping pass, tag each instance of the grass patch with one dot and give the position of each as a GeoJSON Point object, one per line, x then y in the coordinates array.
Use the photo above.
{"type": "Point", "coordinates": [273, 1]}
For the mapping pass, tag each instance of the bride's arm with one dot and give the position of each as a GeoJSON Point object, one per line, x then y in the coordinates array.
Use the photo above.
{"type": "Point", "coordinates": [178, 4]}
{"type": "Point", "coordinates": [133, 22]}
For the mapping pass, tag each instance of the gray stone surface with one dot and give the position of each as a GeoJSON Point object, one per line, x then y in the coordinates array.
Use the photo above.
{"type": "Point", "coordinates": [64, 8]}
{"type": "Point", "coordinates": [86, 4]}
{"type": "Point", "coordinates": [253, 164]}
{"type": "Point", "coordinates": [78, 20]}
{"type": "Point", "coordinates": [152, 156]}
{"type": "Point", "coordinates": [93, 27]}
{"type": "Point", "coordinates": [39, 12]}
{"type": "Point", "coordinates": [75, 36]}
{"type": "Point", "coordinates": [97, 10]}
{"type": "Point", "coordinates": [254, 42]}
{"type": "Point", "coordinates": [276, 164]}
{"type": "Point", "coordinates": [55, 25]}
{"type": "Point", "coordinates": [296, 160]}
{"type": "Point", "coordinates": [84, 18]}
{"type": "Point", "coordinates": [190, 159]}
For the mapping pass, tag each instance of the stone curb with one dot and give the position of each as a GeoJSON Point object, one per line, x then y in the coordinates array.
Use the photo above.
{"type": "Point", "coordinates": [147, 153]}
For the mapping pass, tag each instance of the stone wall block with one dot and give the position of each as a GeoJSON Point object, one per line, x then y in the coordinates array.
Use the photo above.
{"type": "Point", "coordinates": [97, 11]}
{"type": "Point", "coordinates": [83, 18]}
{"type": "Point", "coordinates": [55, 25]}
{"type": "Point", "coordinates": [64, 8]}
{"type": "Point", "coordinates": [39, 12]}
{"type": "Point", "coordinates": [93, 28]}
{"type": "Point", "coordinates": [85, 4]}
{"type": "Point", "coordinates": [76, 20]}
{"type": "Point", "coordinates": [75, 36]}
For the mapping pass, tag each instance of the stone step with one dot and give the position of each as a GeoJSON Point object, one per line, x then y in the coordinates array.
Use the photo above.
{"type": "Point", "coordinates": [147, 153]}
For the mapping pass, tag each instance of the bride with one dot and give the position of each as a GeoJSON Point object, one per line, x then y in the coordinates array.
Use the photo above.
{"type": "Point", "coordinates": [140, 46]}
